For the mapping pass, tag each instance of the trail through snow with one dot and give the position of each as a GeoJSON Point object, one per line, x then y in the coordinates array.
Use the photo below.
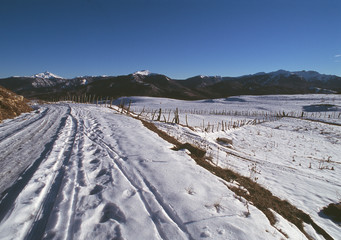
{"type": "Point", "coordinates": [73, 171]}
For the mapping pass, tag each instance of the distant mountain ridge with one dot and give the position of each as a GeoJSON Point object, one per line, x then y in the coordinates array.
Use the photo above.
{"type": "Point", "coordinates": [145, 83]}
{"type": "Point", "coordinates": [306, 75]}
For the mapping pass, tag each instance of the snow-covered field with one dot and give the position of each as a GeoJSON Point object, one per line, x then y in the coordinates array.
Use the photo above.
{"type": "Point", "coordinates": [77, 171]}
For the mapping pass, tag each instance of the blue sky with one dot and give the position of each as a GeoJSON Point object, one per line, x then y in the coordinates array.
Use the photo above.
{"type": "Point", "coordinates": [179, 38]}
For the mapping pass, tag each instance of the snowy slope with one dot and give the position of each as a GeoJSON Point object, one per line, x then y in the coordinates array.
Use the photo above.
{"type": "Point", "coordinates": [93, 173]}
{"type": "Point", "coordinates": [100, 174]}
{"type": "Point", "coordinates": [296, 158]}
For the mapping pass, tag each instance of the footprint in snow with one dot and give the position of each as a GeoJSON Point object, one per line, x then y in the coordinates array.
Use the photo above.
{"type": "Point", "coordinates": [105, 176]}
{"type": "Point", "coordinates": [112, 211]}
{"type": "Point", "coordinates": [118, 233]}
{"type": "Point", "coordinates": [95, 161]}
{"type": "Point", "coordinates": [96, 189]}
{"type": "Point", "coordinates": [206, 233]}
{"type": "Point", "coordinates": [97, 151]}
{"type": "Point", "coordinates": [95, 164]}
{"type": "Point", "coordinates": [102, 172]}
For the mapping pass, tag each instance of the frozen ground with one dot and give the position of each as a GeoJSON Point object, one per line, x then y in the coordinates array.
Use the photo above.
{"type": "Point", "coordinates": [297, 159]}
{"type": "Point", "coordinates": [315, 106]}
{"type": "Point", "coordinates": [76, 171]}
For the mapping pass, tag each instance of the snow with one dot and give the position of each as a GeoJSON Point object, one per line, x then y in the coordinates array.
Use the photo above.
{"type": "Point", "coordinates": [84, 171]}
{"type": "Point", "coordinates": [205, 76]}
{"type": "Point", "coordinates": [84, 81]}
{"type": "Point", "coordinates": [143, 73]}
{"type": "Point", "coordinates": [297, 158]}
{"type": "Point", "coordinates": [45, 75]}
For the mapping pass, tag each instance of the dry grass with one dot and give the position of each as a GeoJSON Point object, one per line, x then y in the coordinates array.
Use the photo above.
{"type": "Point", "coordinates": [161, 134]}
{"type": "Point", "coordinates": [11, 105]}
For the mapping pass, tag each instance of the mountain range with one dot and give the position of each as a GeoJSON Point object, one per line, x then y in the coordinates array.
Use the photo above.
{"type": "Point", "coordinates": [144, 83]}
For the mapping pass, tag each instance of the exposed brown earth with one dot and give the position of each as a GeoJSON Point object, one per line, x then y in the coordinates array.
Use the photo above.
{"type": "Point", "coordinates": [11, 104]}
{"type": "Point", "coordinates": [333, 211]}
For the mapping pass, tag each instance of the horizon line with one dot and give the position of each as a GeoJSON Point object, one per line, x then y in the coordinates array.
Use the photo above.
{"type": "Point", "coordinates": [117, 75]}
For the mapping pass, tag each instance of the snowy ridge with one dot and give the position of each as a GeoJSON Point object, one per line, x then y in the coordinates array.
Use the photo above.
{"type": "Point", "coordinates": [205, 76]}
{"type": "Point", "coordinates": [143, 73]}
{"type": "Point", "coordinates": [46, 75]}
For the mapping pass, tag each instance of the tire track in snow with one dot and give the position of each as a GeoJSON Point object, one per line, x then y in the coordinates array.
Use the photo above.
{"type": "Point", "coordinates": [24, 125]}
{"type": "Point", "coordinates": [11, 193]}
{"type": "Point", "coordinates": [62, 219]}
{"type": "Point", "coordinates": [36, 190]}
{"type": "Point", "coordinates": [38, 229]}
{"type": "Point", "coordinates": [24, 134]}
{"type": "Point", "coordinates": [102, 181]}
{"type": "Point", "coordinates": [27, 137]}
{"type": "Point", "coordinates": [94, 137]}
{"type": "Point", "coordinates": [158, 210]}
{"type": "Point", "coordinates": [78, 181]}
{"type": "Point", "coordinates": [18, 153]}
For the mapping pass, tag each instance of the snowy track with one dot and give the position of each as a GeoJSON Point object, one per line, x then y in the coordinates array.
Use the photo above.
{"type": "Point", "coordinates": [163, 217]}
{"type": "Point", "coordinates": [72, 171]}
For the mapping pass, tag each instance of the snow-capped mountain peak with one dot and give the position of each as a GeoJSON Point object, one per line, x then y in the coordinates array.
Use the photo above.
{"type": "Point", "coordinates": [46, 75]}
{"type": "Point", "coordinates": [205, 76]}
{"type": "Point", "coordinates": [143, 72]}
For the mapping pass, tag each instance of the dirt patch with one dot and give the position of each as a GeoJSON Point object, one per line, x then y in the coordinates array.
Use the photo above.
{"type": "Point", "coordinates": [225, 142]}
{"type": "Point", "coordinates": [333, 211]}
{"type": "Point", "coordinates": [12, 105]}
{"type": "Point", "coordinates": [195, 151]}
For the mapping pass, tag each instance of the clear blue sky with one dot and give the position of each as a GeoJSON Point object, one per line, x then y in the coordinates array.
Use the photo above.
{"type": "Point", "coordinates": [179, 38]}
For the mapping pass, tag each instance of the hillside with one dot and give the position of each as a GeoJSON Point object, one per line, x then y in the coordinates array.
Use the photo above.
{"type": "Point", "coordinates": [11, 104]}
{"type": "Point", "coordinates": [143, 83]}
